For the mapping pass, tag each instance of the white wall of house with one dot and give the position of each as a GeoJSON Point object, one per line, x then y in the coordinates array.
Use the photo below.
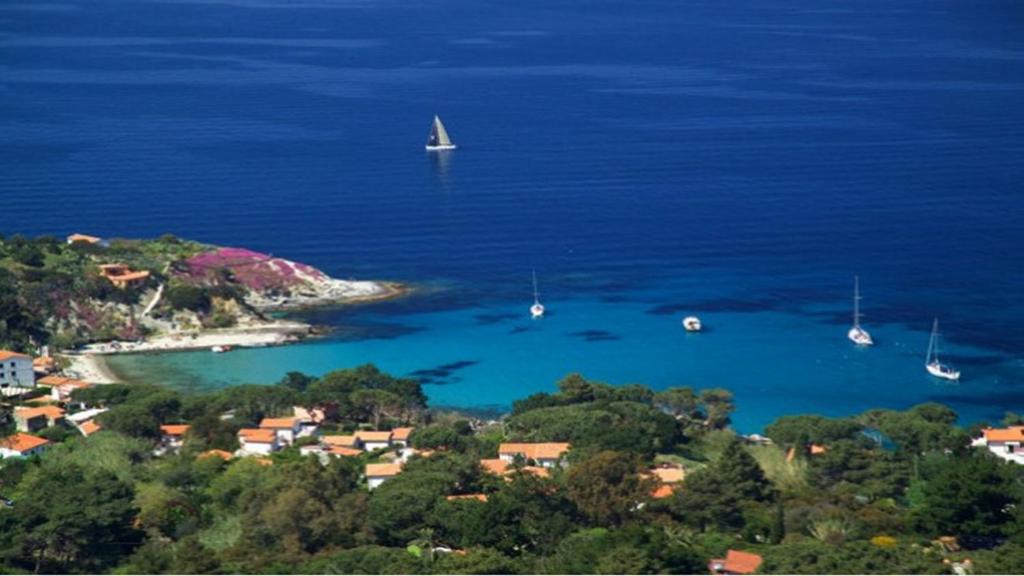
{"type": "Point", "coordinates": [375, 445]}
{"type": "Point", "coordinates": [8, 453]}
{"type": "Point", "coordinates": [374, 481]}
{"type": "Point", "coordinates": [256, 448]}
{"type": "Point", "coordinates": [1009, 451]}
{"type": "Point", "coordinates": [17, 372]}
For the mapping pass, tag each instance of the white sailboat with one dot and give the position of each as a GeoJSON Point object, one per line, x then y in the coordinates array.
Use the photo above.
{"type": "Point", "coordinates": [537, 310]}
{"type": "Point", "coordinates": [692, 324]}
{"type": "Point", "coordinates": [438, 138]}
{"type": "Point", "coordinates": [857, 334]}
{"type": "Point", "coordinates": [932, 364]}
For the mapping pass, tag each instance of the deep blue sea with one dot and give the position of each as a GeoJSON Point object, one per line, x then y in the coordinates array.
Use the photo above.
{"type": "Point", "coordinates": [650, 159]}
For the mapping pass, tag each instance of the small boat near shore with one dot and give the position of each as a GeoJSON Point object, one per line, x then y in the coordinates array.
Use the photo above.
{"type": "Point", "coordinates": [221, 349]}
{"type": "Point", "coordinates": [438, 139]}
{"type": "Point", "coordinates": [692, 324]}
{"type": "Point", "coordinates": [857, 334]}
{"type": "Point", "coordinates": [932, 363]}
{"type": "Point", "coordinates": [537, 310]}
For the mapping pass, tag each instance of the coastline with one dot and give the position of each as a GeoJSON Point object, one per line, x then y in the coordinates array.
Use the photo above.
{"type": "Point", "coordinates": [88, 363]}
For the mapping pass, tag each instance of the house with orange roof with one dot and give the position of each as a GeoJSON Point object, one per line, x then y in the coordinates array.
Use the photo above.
{"type": "Point", "coordinates": [736, 562]}
{"type": "Point", "coordinates": [43, 365]}
{"type": "Point", "coordinates": [400, 436]}
{"type": "Point", "coordinates": [16, 370]}
{"type": "Point", "coordinates": [286, 429]}
{"type": "Point", "coordinates": [500, 467]}
{"type": "Point", "coordinates": [21, 445]}
{"type": "Point", "coordinates": [83, 238]}
{"type": "Point", "coordinates": [371, 440]}
{"type": "Point", "coordinates": [344, 441]}
{"type": "Point", "coordinates": [29, 419]}
{"type": "Point", "coordinates": [1003, 442]}
{"type": "Point", "coordinates": [121, 275]}
{"type": "Point", "coordinates": [477, 497]}
{"type": "Point", "coordinates": [222, 454]}
{"type": "Point", "coordinates": [668, 480]}
{"type": "Point", "coordinates": [545, 454]}
{"type": "Point", "coordinates": [257, 441]}
{"type": "Point", "coordinates": [173, 435]}
{"type": "Point", "coordinates": [377, 474]}
{"type": "Point", "coordinates": [89, 427]}
{"type": "Point", "coordinates": [61, 388]}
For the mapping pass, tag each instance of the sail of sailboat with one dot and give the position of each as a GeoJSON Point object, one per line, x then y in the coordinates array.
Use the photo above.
{"type": "Point", "coordinates": [858, 334]}
{"type": "Point", "coordinates": [438, 139]}
{"type": "Point", "coordinates": [932, 363]}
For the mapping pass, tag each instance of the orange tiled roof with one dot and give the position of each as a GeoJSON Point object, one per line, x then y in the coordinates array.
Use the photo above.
{"type": "Point", "coordinates": [278, 423]}
{"type": "Point", "coordinates": [174, 429]}
{"type": "Point", "coordinates": [817, 449]}
{"type": "Point", "coordinates": [43, 362]}
{"type": "Point", "coordinates": [373, 435]}
{"type": "Point", "coordinates": [480, 497]}
{"type": "Point", "coordinates": [346, 441]}
{"type": "Point", "coordinates": [21, 442]}
{"type": "Point", "coordinates": [378, 470]}
{"type": "Point", "coordinates": [89, 427]}
{"type": "Point", "coordinates": [53, 380]}
{"type": "Point", "coordinates": [663, 491]}
{"type": "Point", "coordinates": [494, 466]}
{"type": "Point", "coordinates": [260, 435]}
{"type": "Point", "coordinates": [737, 562]}
{"type": "Point", "coordinates": [7, 354]}
{"type": "Point", "coordinates": [1011, 434]}
{"type": "Point", "coordinates": [669, 475]}
{"type": "Point", "coordinates": [83, 238]}
{"type": "Point", "coordinates": [343, 451]}
{"type": "Point", "coordinates": [264, 461]}
{"type": "Point", "coordinates": [401, 434]}
{"type": "Point", "coordinates": [41, 400]}
{"type": "Point", "coordinates": [535, 450]}
{"type": "Point", "coordinates": [51, 412]}
{"type": "Point", "coordinates": [222, 454]}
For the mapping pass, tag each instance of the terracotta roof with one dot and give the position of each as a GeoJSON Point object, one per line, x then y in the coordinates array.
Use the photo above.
{"type": "Point", "coordinates": [22, 443]}
{"type": "Point", "coordinates": [669, 475]}
{"type": "Point", "coordinates": [535, 470]}
{"type": "Point", "coordinates": [278, 423]}
{"type": "Point", "coordinates": [174, 429]}
{"type": "Point", "coordinates": [43, 362]}
{"type": "Point", "coordinates": [373, 435]}
{"type": "Point", "coordinates": [1011, 434]}
{"type": "Point", "coordinates": [315, 415]}
{"type": "Point", "coordinates": [41, 400]}
{"type": "Point", "coordinates": [346, 441]}
{"type": "Point", "coordinates": [535, 451]}
{"type": "Point", "coordinates": [495, 466]}
{"type": "Point", "coordinates": [480, 497]}
{"type": "Point", "coordinates": [816, 449]}
{"type": "Point", "coordinates": [737, 562]}
{"type": "Point", "coordinates": [264, 461]}
{"type": "Point", "coordinates": [385, 470]}
{"type": "Point", "coordinates": [83, 238]}
{"type": "Point", "coordinates": [401, 433]}
{"type": "Point", "coordinates": [259, 435]}
{"type": "Point", "coordinates": [222, 454]}
{"type": "Point", "coordinates": [7, 354]}
{"type": "Point", "coordinates": [89, 427]}
{"type": "Point", "coordinates": [53, 380]}
{"type": "Point", "coordinates": [343, 451]}
{"type": "Point", "coordinates": [51, 412]}
{"type": "Point", "coordinates": [663, 491]}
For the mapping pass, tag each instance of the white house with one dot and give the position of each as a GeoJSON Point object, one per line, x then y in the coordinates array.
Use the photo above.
{"type": "Point", "coordinates": [22, 445]}
{"type": "Point", "coordinates": [61, 388]}
{"type": "Point", "coordinates": [16, 370]}
{"type": "Point", "coordinates": [377, 474]}
{"type": "Point", "coordinates": [546, 454]}
{"type": "Point", "coordinates": [173, 435]}
{"type": "Point", "coordinates": [1003, 442]}
{"type": "Point", "coordinates": [400, 436]}
{"type": "Point", "coordinates": [257, 441]}
{"type": "Point", "coordinates": [372, 440]}
{"type": "Point", "coordinates": [286, 429]}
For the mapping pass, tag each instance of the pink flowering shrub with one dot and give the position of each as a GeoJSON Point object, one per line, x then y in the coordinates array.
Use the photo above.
{"type": "Point", "coordinates": [256, 271]}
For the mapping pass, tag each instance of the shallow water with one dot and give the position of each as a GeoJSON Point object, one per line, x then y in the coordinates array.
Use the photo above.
{"type": "Point", "coordinates": [738, 160]}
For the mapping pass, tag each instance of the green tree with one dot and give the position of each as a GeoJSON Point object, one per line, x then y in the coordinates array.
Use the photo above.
{"type": "Point", "coordinates": [608, 486]}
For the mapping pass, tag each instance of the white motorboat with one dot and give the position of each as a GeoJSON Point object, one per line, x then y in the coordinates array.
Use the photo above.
{"type": "Point", "coordinates": [692, 324]}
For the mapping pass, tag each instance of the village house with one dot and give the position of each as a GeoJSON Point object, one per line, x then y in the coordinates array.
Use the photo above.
{"type": "Point", "coordinates": [16, 370]}
{"type": "Point", "coordinates": [286, 429]}
{"type": "Point", "coordinates": [736, 562]}
{"type": "Point", "coordinates": [121, 275]}
{"type": "Point", "coordinates": [89, 427]}
{"type": "Point", "coordinates": [669, 479]}
{"type": "Point", "coordinates": [1003, 442]}
{"type": "Point", "coordinates": [172, 436]}
{"type": "Point", "coordinates": [31, 419]}
{"type": "Point", "coordinates": [371, 440]}
{"type": "Point", "coordinates": [400, 436]}
{"type": "Point", "coordinates": [43, 365]}
{"type": "Point", "coordinates": [341, 441]}
{"type": "Point", "coordinates": [477, 497]}
{"type": "Point", "coordinates": [377, 474]}
{"type": "Point", "coordinates": [500, 467]}
{"type": "Point", "coordinates": [545, 454]}
{"type": "Point", "coordinates": [22, 445]}
{"type": "Point", "coordinates": [61, 388]}
{"type": "Point", "coordinates": [261, 441]}
{"type": "Point", "coordinates": [222, 454]}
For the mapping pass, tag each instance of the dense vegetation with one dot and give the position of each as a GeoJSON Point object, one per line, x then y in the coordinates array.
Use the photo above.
{"type": "Point", "coordinates": [889, 484]}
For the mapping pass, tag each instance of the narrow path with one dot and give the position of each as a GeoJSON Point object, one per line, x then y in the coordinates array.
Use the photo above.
{"type": "Point", "coordinates": [154, 301]}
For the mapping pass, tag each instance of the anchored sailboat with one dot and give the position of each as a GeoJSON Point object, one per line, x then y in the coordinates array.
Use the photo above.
{"type": "Point", "coordinates": [857, 334]}
{"type": "Point", "coordinates": [537, 310]}
{"type": "Point", "coordinates": [438, 139]}
{"type": "Point", "coordinates": [932, 363]}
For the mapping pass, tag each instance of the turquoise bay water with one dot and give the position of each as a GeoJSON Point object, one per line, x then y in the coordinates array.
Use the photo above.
{"type": "Point", "coordinates": [738, 160]}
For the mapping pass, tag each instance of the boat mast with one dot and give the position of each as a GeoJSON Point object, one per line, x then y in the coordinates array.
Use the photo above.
{"type": "Point", "coordinates": [856, 302]}
{"type": "Point", "coordinates": [536, 297]}
{"type": "Point", "coordinates": [933, 345]}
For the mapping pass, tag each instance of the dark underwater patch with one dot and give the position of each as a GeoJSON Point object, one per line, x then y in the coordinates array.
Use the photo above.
{"type": "Point", "coordinates": [359, 333]}
{"type": "Point", "coordinates": [489, 319]}
{"type": "Point", "coordinates": [596, 335]}
{"type": "Point", "coordinates": [443, 374]}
